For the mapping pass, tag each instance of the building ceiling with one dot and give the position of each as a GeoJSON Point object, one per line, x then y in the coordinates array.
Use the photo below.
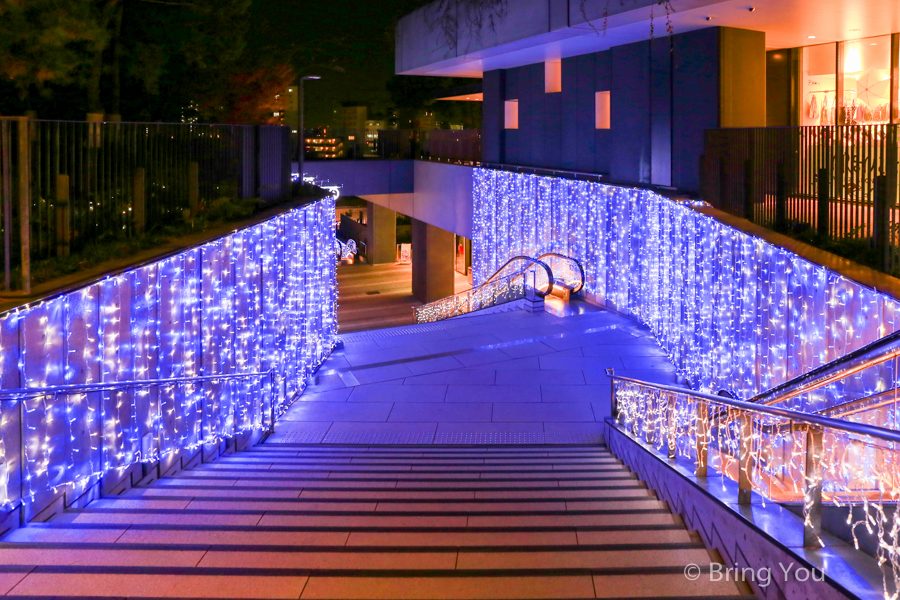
{"type": "Point", "coordinates": [787, 23]}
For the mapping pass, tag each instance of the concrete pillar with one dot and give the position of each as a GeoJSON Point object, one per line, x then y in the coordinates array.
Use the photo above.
{"type": "Point", "coordinates": [432, 262]}
{"type": "Point", "coordinates": [381, 233]}
{"type": "Point", "coordinates": [742, 78]}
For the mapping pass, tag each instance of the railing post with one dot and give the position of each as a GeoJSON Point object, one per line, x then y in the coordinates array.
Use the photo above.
{"type": "Point", "coordinates": [881, 222]}
{"type": "Point", "coordinates": [22, 463]}
{"type": "Point", "coordinates": [613, 404]}
{"type": "Point", "coordinates": [702, 439]}
{"type": "Point", "coordinates": [671, 442]}
{"type": "Point", "coordinates": [812, 493]}
{"type": "Point", "coordinates": [822, 200]}
{"type": "Point", "coordinates": [749, 189]}
{"type": "Point", "coordinates": [780, 197]}
{"type": "Point", "coordinates": [24, 184]}
{"type": "Point", "coordinates": [745, 458]}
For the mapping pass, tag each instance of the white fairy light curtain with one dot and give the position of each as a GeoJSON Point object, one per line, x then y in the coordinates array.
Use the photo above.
{"type": "Point", "coordinates": [732, 311]}
{"type": "Point", "coordinates": [261, 300]}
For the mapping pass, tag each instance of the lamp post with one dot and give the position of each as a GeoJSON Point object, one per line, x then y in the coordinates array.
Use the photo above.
{"type": "Point", "coordinates": [301, 151]}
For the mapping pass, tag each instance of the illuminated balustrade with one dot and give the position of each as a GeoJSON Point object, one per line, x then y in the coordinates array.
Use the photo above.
{"type": "Point", "coordinates": [780, 454]}
{"type": "Point", "coordinates": [213, 341]}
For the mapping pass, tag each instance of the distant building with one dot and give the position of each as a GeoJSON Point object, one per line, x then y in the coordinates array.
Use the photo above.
{"type": "Point", "coordinates": [372, 129]}
{"type": "Point", "coordinates": [350, 124]}
{"type": "Point", "coordinates": [322, 145]}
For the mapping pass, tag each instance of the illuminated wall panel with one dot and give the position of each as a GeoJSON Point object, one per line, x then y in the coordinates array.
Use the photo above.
{"type": "Point", "coordinates": [261, 298]}
{"type": "Point", "coordinates": [733, 311]}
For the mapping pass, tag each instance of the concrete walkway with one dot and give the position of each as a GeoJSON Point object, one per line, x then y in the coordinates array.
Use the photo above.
{"type": "Point", "coordinates": [509, 377]}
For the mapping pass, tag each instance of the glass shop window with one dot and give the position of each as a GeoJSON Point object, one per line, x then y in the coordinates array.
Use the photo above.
{"type": "Point", "coordinates": [818, 85]}
{"type": "Point", "coordinates": [867, 81]}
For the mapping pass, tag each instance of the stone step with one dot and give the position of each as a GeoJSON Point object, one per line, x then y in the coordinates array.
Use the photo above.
{"type": "Point", "coordinates": [352, 522]}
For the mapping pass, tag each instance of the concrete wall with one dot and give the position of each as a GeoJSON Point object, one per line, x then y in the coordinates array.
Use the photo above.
{"type": "Point", "coordinates": [665, 93]}
{"type": "Point", "coordinates": [442, 196]}
{"type": "Point", "coordinates": [359, 177]}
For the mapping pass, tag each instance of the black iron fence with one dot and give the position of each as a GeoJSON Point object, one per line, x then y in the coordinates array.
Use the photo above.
{"type": "Point", "coordinates": [67, 184]}
{"type": "Point", "coordinates": [835, 186]}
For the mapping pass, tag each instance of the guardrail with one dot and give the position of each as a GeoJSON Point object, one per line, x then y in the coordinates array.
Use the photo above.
{"type": "Point", "coordinates": [821, 183]}
{"type": "Point", "coordinates": [783, 455]}
{"type": "Point", "coordinates": [66, 184]}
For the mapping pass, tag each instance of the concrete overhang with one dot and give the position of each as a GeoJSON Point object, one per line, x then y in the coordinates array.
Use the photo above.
{"type": "Point", "coordinates": [531, 31]}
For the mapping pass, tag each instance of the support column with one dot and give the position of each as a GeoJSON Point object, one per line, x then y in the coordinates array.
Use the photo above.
{"type": "Point", "coordinates": [381, 230]}
{"type": "Point", "coordinates": [432, 262]}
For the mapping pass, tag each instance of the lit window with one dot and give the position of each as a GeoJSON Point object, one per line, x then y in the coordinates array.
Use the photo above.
{"type": "Point", "coordinates": [601, 110]}
{"type": "Point", "coordinates": [553, 76]}
{"type": "Point", "coordinates": [511, 114]}
{"type": "Point", "coordinates": [817, 85]}
{"type": "Point", "coordinates": [867, 81]}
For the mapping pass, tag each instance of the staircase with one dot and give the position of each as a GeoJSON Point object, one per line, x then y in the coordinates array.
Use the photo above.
{"type": "Point", "coordinates": [392, 522]}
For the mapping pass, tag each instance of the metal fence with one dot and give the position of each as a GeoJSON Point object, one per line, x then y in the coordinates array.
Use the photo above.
{"type": "Point", "coordinates": [74, 183]}
{"type": "Point", "coordinates": [829, 183]}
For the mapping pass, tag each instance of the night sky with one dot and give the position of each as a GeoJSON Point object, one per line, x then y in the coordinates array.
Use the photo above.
{"type": "Point", "coordinates": [348, 42]}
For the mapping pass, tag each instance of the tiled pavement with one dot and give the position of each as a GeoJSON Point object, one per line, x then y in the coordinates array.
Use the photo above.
{"type": "Point", "coordinates": [504, 377]}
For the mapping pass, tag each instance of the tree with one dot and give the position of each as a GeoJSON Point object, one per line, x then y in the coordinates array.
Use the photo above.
{"type": "Point", "coordinates": [46, 43]}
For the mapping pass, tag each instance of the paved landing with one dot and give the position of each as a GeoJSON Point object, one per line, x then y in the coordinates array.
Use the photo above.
{"type": "Point", "coordinates": [504, 378]}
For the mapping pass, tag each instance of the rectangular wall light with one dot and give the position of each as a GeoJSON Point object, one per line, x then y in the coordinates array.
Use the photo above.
{"type": "Point", "coordinates": [553, 76]}
{"type": "Point", "coordinates": [601, 110]}
{"type": "Point", "coordinates": [511, 114]}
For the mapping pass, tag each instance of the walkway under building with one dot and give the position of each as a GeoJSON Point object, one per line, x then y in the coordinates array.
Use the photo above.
{"type": "Point", "coordinates": [379, 295]}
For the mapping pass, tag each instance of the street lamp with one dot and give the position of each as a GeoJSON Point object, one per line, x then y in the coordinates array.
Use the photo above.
{"type": "Point", "coordinates": [301, 151]}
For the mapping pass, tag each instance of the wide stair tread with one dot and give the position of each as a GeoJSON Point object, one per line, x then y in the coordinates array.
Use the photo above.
{"type": "Point", "coordinates": [370, 522]}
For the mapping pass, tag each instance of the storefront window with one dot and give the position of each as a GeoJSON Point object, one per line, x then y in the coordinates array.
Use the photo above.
{"type": "Point", "coordinates": [866, 66]}
{"type": "Point", "coordinates": [818, 84]}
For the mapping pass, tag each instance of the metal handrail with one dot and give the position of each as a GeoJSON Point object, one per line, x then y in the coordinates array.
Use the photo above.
{"type": "Point", "coordinates": [872, 354]}
{"type": "Point", "coordinates": [12, 394]}
{"type": "Point", "coordinates": [881, 433]}
{"type": "Point", "coordinates": [530, 259]}
{"type": "Point", "coordinates": [571, 259]}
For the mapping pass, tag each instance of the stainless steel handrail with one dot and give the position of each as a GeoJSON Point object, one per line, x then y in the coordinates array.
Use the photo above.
{"type": "Point", "coordinates": [881, 433]}
{"type": "Point", "coordinates": [12, 394]}
{"type": "Point", "coordinates": [530, 259]}
{"type": "Point", "coordinates": [571, 259]}
{"type": "Point", "coordinates": [870, 354]}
